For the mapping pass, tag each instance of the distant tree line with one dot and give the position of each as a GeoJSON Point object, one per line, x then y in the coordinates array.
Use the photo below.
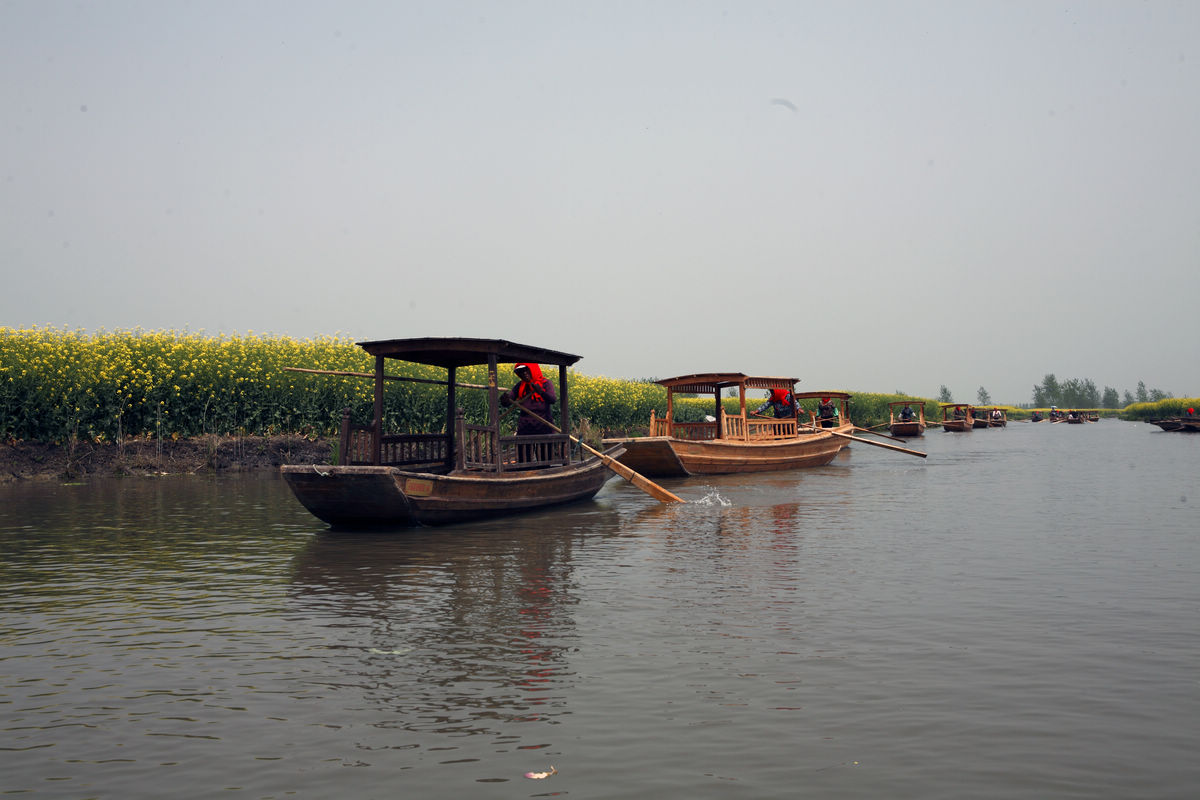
{"type": "Point", "coordinates": [1073, 393]}
{"type": "Point", "coordinates": [1082, 393]}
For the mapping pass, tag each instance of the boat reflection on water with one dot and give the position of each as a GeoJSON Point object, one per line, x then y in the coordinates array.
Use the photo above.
{"type": "Point", "coordinates": [459, 634]}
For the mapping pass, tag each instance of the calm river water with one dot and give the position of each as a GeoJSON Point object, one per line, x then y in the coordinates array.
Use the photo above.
{"type": "Point", "coordinates": [1016, 616]}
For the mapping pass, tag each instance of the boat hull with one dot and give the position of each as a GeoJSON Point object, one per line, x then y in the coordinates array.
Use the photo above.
{"type": "Point", "coordinates": [907, 429]}
{"type": "Point", "coordinates": [367, 496]}
{"type": "Point", "coordinates": [1177, 424]}
{"type": "Point", "coordinates": [664, 456]}
{"type": "Point", "coordinates": [957, 425]}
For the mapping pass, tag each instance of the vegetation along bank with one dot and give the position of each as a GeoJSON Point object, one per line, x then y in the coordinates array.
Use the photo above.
{"type": "Point", "coordinates": [230, 401]}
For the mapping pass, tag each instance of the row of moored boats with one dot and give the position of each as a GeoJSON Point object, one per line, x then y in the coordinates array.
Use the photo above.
{"type": "Point", "coordinates": [470, 470]}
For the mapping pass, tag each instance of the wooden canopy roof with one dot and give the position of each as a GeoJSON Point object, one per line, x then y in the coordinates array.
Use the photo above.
{"type": "Point", "coordinates": [708, 382]}
{"type": "Point", "coordinates": [461, 352]}
{"type": "Point", "coordinates": [809, 395]}
{"type": "Point", "coordinates": [906, 403]}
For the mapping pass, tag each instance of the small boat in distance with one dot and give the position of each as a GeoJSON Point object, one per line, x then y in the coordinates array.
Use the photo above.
{"type": "Point", "coordinates": [737, 442]}
{"type": "Point", "coordinates": [957, 417]}
{"type": "Point", "coordinates": [995, 417]}
{"type": "Point", "coordinates": [464, 471]}
{"type": "Point", "coordinates": [910, 424]}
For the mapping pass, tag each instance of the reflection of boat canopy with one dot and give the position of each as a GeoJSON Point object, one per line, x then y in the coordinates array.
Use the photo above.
{"type": "Point", "coordinates": [468, 470]}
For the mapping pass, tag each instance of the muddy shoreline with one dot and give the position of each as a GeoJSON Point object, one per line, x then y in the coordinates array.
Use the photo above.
{"type": "Point", "coordinates": [27, 460]}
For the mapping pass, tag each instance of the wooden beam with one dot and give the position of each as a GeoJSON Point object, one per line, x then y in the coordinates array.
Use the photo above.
{"type": "Point", "coordinates": [385, 377]}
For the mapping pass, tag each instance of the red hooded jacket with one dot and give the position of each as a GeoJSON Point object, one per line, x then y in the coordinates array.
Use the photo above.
{"type": "Point", "coordinates": [536, 394]}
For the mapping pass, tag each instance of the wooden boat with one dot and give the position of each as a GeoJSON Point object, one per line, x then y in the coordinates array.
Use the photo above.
{"type": "Point", "coordinates": [468, 471]}
{"type": "Point", "coordinates": [906, 427]}
{"type": "Point", "coordinates": [741, 442]}
{"type": "Point", "coordinates": [957, 417]}
{"type": "Point", "coordinates": [995, 418]}
{"type": "Point", "coordinates": [1075, 418]}
{"type": "Point", "coordinates": [1178, 424]}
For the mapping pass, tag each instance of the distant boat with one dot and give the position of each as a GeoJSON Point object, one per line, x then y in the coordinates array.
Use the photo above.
{"type": "Point", "coordinates": [741, 442]}
{"type": "Point", "coordinates": [906, 426]}
{"type": "Point", "coordinates": [957, 417]}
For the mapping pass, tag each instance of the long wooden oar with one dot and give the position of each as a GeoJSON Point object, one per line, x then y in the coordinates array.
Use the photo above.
{"type": "Point", "coordinates": [868, 441]}
{"type": "Point", "coordinates": [636, 478]}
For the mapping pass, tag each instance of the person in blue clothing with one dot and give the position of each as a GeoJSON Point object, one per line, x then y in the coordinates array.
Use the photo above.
{"type": "Point", "coordinates": [781, 402]}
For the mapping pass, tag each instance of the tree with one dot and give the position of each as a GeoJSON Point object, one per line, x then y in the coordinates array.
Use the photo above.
{"type": "Point", "coordinates": [1091, 395]}
{"type": "Point", "coordinates": [1142, 395]}
{"type": "Point", "coordinates": [1127, 399]}
{"type": "Point", "coordinates": [1111, 398]}
{"type": "Point", "coordinates": [1051, 390]}
{"type": "Point", "coordinates": [944, 395]}
{"type": "Point", "coordinates": [985, 399]}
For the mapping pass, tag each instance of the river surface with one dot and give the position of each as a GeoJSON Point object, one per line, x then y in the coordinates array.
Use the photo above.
{"type": "Point", "coordinates": [1017, 616]}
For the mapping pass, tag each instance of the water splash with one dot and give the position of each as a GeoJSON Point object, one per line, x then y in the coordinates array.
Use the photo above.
{"type": "Point", "coordinates": [714, 499]}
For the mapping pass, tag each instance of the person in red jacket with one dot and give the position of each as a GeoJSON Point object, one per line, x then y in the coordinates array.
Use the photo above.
{"type": "Point", "coordinates": [780, 402]}
{"type": "Point", "coordinates": [534, 393]}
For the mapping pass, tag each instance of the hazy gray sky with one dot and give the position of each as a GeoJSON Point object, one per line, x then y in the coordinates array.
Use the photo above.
{"type": "Point", "coordinates": [868, 195]}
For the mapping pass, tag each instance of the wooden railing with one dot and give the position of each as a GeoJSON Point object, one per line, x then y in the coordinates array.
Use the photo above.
{"type": "Point", "coordinates": [415, 450]}
{"type": "Point", "coordinates": [734, 428]}
{"type": "Point", "coordinates": [761, 429]}
{"type": "Point", "coordinates": [527, 452]}
{"type": "Point", "coordinates": [396, 450]}
{"type": "Point", "coordinates": [516, 452]}
{"type": "Point", "coordinates": [357, 447]}
{"type": "Point", "coordinates": [694, 431]}
{"type": "Point", "coordinates": [754, 429]}
{"type": "Point", "coordinates": [478, 447]}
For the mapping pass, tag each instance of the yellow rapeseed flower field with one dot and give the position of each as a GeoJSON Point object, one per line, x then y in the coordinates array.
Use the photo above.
{"type": "Point", "coordinates": [58, 384]}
